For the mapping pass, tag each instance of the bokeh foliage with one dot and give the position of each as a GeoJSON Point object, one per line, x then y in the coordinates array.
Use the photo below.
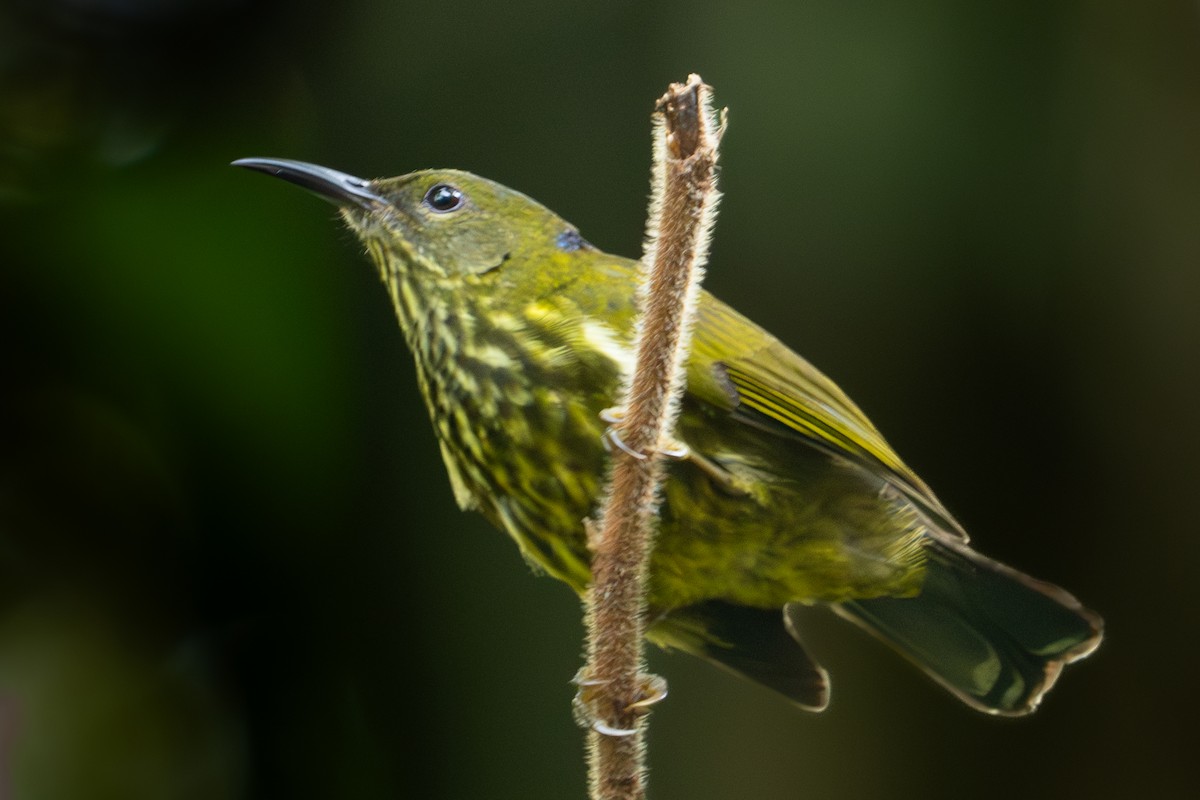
{"type": "Point", "coordinates": [230, 564]}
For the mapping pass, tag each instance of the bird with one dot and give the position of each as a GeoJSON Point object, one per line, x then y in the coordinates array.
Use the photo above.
{"type": "Point", "coordinates": [783, 495]}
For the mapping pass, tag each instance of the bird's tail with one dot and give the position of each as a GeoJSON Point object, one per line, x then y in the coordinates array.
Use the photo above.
{"type": "Point", "coordinates": [994, 637]}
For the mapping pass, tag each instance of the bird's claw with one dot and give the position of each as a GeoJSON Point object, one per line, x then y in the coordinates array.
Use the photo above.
{"type": "Point", "coordinates": [651, 691]}
{"type": "Point", "coordinates": [676, 451]}
{"type": "Point", "coordinates": [613, 439]}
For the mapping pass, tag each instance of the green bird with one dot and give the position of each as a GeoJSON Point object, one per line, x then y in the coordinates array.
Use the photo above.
{"type": "Point", "coordinates": [787, 496]}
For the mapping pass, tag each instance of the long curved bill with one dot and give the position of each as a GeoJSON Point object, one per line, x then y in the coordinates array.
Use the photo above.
{"type": "Point", "coordinates": [336, 187]}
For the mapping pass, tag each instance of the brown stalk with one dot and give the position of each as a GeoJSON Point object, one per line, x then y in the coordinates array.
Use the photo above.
{"type": "Point", "coordinates": [615, 692]}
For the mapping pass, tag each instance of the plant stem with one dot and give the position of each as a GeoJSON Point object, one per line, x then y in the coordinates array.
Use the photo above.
{"type": "Point", "coordinates": [614, 686]}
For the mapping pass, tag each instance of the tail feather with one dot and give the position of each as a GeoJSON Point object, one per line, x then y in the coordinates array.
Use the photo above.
{"type": "Point", "coordinates": [993, 636]}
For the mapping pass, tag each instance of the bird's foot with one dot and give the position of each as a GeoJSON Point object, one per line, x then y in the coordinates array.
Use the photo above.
{"type": "Point", "coordinates": [650, 690]}
{"type": "Point", "coordinates": [613, 417]}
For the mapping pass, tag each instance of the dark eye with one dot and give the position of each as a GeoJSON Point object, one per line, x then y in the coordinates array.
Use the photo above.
{"type": "Point", "coordinates": [444, 198]}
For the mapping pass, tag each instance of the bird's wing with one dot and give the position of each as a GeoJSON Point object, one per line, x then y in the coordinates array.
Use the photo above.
{"type": "Point", "coordinates": [738, 366]}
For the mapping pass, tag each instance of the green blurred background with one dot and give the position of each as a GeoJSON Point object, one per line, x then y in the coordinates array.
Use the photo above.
{"type": "Point", "coordinates": [230, 562]}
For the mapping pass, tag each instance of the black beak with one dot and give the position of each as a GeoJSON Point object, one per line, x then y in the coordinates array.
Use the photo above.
{"type": "Point", "coordinates": [337, 187]}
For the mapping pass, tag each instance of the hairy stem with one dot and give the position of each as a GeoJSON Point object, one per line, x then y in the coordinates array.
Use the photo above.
{"type": "Point", "coordinates": [614, 687]}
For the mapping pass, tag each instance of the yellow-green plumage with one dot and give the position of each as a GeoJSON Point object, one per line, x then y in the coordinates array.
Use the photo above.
{"type": "Point", "coordinates": [522, 334]}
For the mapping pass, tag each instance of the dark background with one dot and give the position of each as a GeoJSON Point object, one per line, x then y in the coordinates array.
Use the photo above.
{"type": "Point", "coordinates": [230, 562]}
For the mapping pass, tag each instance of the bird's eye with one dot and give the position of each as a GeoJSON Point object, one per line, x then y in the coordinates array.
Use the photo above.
{"type": "Point", "coordinates": [444, 198]}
